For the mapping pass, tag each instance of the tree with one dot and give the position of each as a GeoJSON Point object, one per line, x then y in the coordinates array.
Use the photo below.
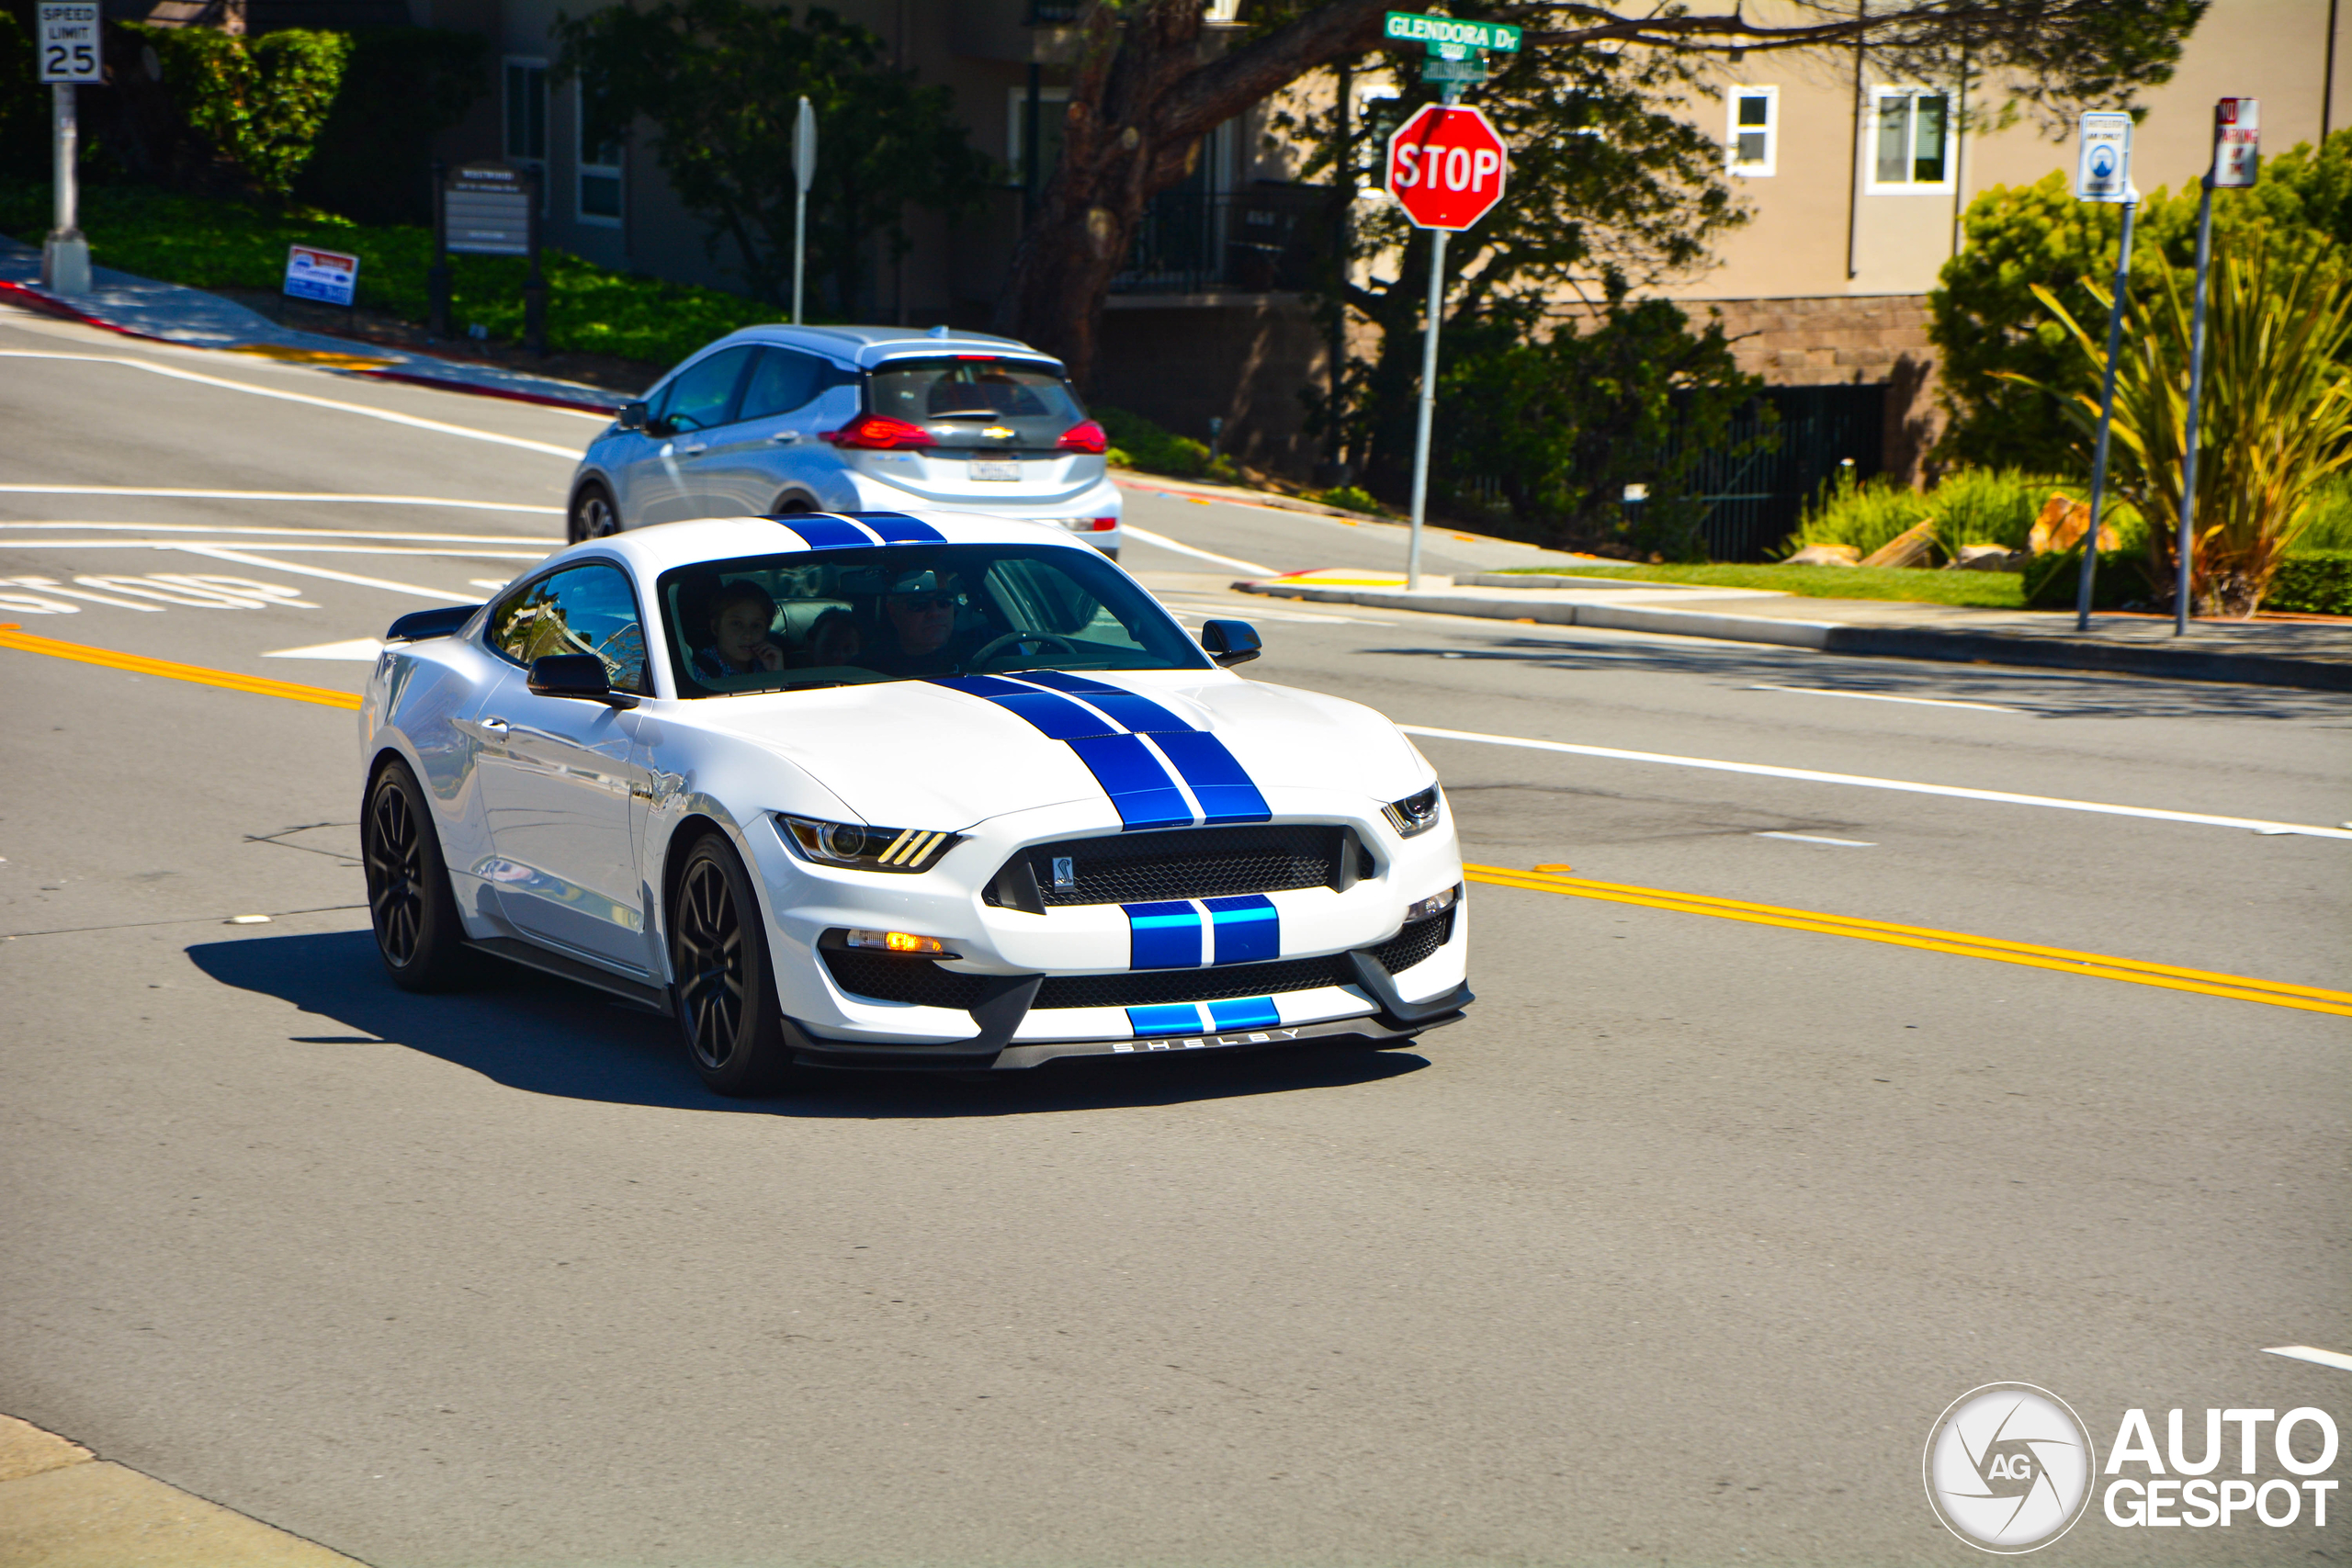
{"type": "Point", "coordinates": [257, 103]}
{"type": "Point", "coordinates": [1564, 423]}
{"type": "Point", "coordinates": [1146, 87]}
{"type": "Point", "coordinates": [1611, 191]}
{"type": "Point", "coordinates": [2275, 420]}
{"type": "Point", "coordinates": [1998, 346]}
{"type": "Point", "coordinates": [721, 82]}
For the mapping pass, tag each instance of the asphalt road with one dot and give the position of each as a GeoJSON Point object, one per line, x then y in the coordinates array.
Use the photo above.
{"type": "Point", "coordinates": [1672, 1252]}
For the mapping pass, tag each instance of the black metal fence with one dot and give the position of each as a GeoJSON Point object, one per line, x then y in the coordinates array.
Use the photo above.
{"type": "Point", "coordinates": [1754, 498]}
{"type": "Point", "coordinates": [1268, 238]}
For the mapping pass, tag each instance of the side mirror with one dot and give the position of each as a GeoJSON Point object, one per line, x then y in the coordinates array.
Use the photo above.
{"type": "Point", "coordinates": [1230, 642]}
{"type": "Point", "coordinates": [633, 415]}
{"type": "Point", "coordinates": [578, 675]}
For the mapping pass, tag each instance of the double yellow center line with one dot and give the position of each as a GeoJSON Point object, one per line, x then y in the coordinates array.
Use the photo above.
{"type": "Point", "coordinates": [140, 664]}
{"type": "Point", "coordinates": [2067, 961]}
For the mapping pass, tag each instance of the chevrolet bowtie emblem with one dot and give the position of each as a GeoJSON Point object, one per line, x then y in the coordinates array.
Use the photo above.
{"type": "Point", "coordinates": [997, 433]}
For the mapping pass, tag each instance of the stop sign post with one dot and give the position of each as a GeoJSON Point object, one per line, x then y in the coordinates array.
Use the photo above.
{"type": "Point", "coordinates": [1446, 169]}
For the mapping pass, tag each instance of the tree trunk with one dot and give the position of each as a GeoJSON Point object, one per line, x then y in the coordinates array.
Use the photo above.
{"type": "Point", "coordinates": [1140, 101]}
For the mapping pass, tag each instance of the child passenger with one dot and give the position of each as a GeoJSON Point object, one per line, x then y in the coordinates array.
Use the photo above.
{"type": "Point", "coordinates": [741, 614]}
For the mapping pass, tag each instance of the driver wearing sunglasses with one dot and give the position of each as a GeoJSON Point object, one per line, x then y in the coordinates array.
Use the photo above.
{"type": "Point", "coordinates": [919, 627]}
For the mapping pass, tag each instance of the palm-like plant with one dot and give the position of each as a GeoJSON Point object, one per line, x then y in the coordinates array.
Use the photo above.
{"type": "Point", "coordinates": [2275, 420]}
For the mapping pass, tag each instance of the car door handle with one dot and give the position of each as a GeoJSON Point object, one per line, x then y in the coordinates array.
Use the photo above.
{"type": "Point", "coordinates": [485, 729]}
{"type": "Point", "coordinates": [697, 450]}
{"type": "Point", "coordinates": [785, 437]}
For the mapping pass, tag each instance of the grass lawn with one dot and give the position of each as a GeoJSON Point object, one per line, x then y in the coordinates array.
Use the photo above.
{"type": "Point", "coordinates": [226, 244]}
{"type": "Point", "coordinates": [1980, 590]}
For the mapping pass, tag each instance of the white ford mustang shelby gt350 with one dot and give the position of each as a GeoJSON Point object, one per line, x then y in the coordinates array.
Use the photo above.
{"type": "Point", "coordinates": [888, 791]}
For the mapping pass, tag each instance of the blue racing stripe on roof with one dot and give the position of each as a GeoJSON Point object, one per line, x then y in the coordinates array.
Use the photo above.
{"type": "Point", "coordinates": [1247, 1012]}
{"type": "Point", "coordinates": [898, 528]}
{"type": "Point", "coordinates": [824, 532]}
{"type": "Point", "coordinates": [1134, 779]}
{"type": "Point", "coordinates": [1216, 779]}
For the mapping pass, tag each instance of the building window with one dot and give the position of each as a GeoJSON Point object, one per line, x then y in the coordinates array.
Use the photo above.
{"type": "Point", "coordinates": [599, 161]}
{"type": "Point", "coordinates": [526, 118]}
{"type": "Point", "coordinates": [1053, 109]}
{"type": "Point", "coordinates": [1755, 129]}
{"type": "Point", "coordinates": [1910, 147]}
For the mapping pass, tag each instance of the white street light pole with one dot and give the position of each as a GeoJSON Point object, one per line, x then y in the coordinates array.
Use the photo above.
{"type": "Point", "coordinates": [804, 170]}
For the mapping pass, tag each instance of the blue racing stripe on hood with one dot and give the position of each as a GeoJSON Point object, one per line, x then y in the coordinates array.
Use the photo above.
{"type": "Point", "coordinates": [1131, 775]}
{"type": "Point", "coordinates": [1137, 713]}
{"type": "Point", "coordinates": [1057, 718]}
{"type": "Point", "coordinates": [1215, 777]}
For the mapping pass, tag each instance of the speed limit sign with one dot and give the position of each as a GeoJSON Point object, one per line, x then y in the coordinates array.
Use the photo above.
{"type": "Point", "coordinates": [69, 41]}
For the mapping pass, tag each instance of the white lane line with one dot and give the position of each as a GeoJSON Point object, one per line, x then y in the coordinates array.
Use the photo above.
{"type": "Point", "coordinates": [281, 495]}
{"type": "Point", "coordinates": [2337, 1358]}
{"type": "Point", "coordinates": [406, 536]}
{"type": "Point", "coordinates": [492, 583]}
{"type": "Point", "coordinates": [241, 558]}
{"type": "Point", "coordinates": [1817, 839]}
{"type": "Point", "coordinates": [1880, 697]}
{"type": "Point", "coordinates": [359, 650]}
{"type": "Point", "coordinates": [51, 585]}
{"type": "Point", "coordinates": [1809, 776]}
{"type": "Point", "coordinates": [1252, 613]}
{"type": "Point", "coordinates": [566, 453]}
{"type": "Point", "coordinates": [1162, 541]}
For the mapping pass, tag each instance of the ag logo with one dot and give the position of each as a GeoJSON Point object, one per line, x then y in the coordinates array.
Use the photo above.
{"type": "Point", "coordinates": [2008, 1468]}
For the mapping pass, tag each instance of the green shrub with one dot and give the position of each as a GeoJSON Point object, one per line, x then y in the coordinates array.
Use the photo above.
{"type": "Point", "coordinates": [2327, 519]}
{"type": "Point", "coordinates": [1153, 450]}
{"type": "Point", "coordinates": [403, 87]}
{"type": "Point", "coordinates": [2312, 582]}
{"type": "Point", "coordinates": [226, 244]}
{"type": "Point", "coordinates": [1973, 506]}
{"type": "Point", "coordinates": [260, 103]}
{"type": "Point", "coordinates": [1350, 498]}
{"type": "Point", "coordinates": [2053, 581]}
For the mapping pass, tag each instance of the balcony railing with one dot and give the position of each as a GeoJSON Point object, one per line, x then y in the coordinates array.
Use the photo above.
{"type": "Point", "coordinates": [1269, 238]}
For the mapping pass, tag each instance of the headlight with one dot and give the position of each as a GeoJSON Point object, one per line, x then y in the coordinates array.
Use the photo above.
{"type": "Point", "coordinates": [1414, 814]}
{"type": "Point", "coordinates": [854, 844]}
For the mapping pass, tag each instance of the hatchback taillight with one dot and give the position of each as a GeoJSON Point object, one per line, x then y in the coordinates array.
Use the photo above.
{"type": "Point", "coordinates": [880, 433]}
{"type": "Point", "coordinates": [1087, 438]}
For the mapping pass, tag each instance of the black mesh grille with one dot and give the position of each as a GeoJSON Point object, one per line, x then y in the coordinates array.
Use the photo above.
{"type": "Point", "coordinates": [1191, 863]}
{"type": "Point", "coordinates": [923, 983]}
{"type": "Point", "coordinates": [890, 979]}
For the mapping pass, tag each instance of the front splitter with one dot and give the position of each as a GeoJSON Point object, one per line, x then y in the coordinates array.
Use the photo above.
{"type": "Point", "coordinates": [1368, 1029]}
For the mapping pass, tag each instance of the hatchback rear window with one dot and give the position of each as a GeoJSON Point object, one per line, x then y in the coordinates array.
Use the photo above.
{"type": "Point", "coordinates": [973, 401]}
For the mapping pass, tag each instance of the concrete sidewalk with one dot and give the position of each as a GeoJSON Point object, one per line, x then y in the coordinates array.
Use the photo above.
{"type": "Point", "coordinates": [62, 1506]}
{"type": "Point", "coordinates": [2314, 653]}
{"type": "Point", "coordinates": [167, 312]}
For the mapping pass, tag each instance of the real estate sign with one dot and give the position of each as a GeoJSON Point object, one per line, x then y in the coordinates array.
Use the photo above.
{"type": "Point", "coordinates": [328, 277]}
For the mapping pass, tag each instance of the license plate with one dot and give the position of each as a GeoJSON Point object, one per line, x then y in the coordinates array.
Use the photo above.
{"type": "Point", "coordinates": [996, 468]}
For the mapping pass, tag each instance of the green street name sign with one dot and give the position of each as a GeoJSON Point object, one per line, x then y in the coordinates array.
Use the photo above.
{"type": "Point", "coordinates": [1436, 32]}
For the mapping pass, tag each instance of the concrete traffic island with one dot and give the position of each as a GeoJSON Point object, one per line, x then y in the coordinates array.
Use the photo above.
{"type": "Point", "coordinates": [62, 1506]}
{"type": "Point", "coordinates": [2311, 653]}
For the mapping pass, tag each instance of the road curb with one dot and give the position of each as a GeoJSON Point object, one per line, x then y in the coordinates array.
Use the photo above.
{"type": "Point", "coordinates": [1835, 637]}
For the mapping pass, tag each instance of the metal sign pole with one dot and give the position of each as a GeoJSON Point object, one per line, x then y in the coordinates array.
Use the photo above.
{"type": "Point", "coordinates": [2106, 421]}
{"type": "Point", "coordinates": [804, 169]}
{"type": "Point", "coordinates": [66, 257]}
{"type": "Point", "coordinates": [2195, 391]}
{"type": "Point", "coordinates": [1428, 408]}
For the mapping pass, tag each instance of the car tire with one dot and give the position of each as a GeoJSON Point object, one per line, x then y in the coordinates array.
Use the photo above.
{"type": "Point", "coordinates": [409, 904]}
{"type": "Point", "coordinates": [724, 990]}
{"type": "Point", "coordinates": [592, 515]}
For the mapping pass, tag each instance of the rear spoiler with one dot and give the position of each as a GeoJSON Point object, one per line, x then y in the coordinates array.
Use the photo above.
{"type": "Point", "coordinates": [418, 625]}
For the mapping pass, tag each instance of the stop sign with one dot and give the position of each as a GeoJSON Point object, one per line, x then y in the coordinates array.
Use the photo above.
{"type": "Point", "coordinates": [1446, 167]}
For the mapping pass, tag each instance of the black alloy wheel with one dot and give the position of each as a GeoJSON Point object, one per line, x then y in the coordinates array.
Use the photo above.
{"type": "Point", "coordinates": [410, 903]}
{"type": "Point", "coordinates": [726, 993]}
{"type": "Point", "coordinates": [593, 516]}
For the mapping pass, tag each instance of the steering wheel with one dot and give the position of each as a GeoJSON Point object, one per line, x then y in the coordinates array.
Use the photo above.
{"type": "Point", "coordinates": [1010, 638]}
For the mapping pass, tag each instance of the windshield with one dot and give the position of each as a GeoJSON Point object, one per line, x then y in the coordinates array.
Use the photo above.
{"type": "Point", "coordinates": [836, 617]}
{"type": "Point", "coordinates": [978, 401]}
